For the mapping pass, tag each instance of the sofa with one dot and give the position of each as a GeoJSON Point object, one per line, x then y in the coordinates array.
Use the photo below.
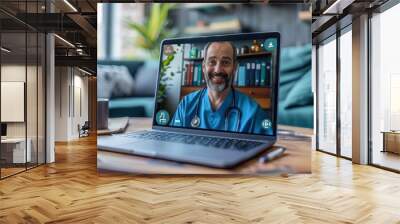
{"type": "Point", "coordinates": [138, 76]}
{"type": "Point", "coordinates": [295, 107]}
{"type": "Point", "coordinates": [132, 94]}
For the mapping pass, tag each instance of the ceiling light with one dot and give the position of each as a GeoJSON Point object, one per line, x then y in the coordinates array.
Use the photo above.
{"type": "Point", "coordinates": [84, 71]}
{"type": "Point", "coordinates": [70, 5]}
{"type": "Point", "coordinates": [65, 41]}
{"type": "Point", "coordinates": [5, 50]}
{"type": "Point", "coordinates": [337, 7]}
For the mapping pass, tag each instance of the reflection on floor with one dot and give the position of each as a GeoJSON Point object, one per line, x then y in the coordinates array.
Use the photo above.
{"type": "Point", "coordinates": [10, 171]}
{"type": "Point", "coordinates": [386, 159]}
{"type": "Point", "coordinates": [71, 191]}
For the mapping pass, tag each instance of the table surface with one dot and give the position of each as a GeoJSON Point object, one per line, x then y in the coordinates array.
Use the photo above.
{"type": "Point", "coordinates": [13, 140]}
{"type": "Point", "coordinates": [390, 132]}
{"type": "Point", "coordinates": [297, 158]}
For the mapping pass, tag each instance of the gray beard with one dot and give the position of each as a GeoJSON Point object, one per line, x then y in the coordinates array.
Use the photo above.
{"type": "Point", "coordinates": [221, 87]}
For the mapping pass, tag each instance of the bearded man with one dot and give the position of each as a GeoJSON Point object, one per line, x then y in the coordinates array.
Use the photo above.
{"type": "Point", "coordinates": [219, 106]}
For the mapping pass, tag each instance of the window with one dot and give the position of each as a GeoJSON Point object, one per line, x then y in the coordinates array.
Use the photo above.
{"type": "Point", "coordinates": [385, 88]}
{"type": "Point", "coordinates": [346, 93]}
{"type": "Point", "coordinates": [116, 39]}
{"type": "Point", "coordinates": [327, 96]}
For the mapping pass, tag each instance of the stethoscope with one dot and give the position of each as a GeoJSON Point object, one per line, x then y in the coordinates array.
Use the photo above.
{"type": "Point", "coordinates": [195, 123]}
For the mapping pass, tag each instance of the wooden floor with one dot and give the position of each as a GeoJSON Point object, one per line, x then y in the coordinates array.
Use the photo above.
{"type": "Point", "coordinates": [386, 159]}
{"type": "Point", "coordinates": [71, 191]}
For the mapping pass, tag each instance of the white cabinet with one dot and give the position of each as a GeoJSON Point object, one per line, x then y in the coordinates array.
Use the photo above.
{"type": "Point", "coordinates": [15, 148]}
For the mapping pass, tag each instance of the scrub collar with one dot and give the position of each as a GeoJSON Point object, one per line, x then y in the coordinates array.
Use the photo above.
{"type": "Point", "coordinates": [224, 106]}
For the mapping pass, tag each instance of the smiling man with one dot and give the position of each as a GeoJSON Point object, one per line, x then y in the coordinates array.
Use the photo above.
{"type": "Point", "coordinates": [219, 106]}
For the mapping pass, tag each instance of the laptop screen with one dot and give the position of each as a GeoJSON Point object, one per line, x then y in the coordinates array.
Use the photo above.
{"type": "Point", "coordinates": [221, 83]}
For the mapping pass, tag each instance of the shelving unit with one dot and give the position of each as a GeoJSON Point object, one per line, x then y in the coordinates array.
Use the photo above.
{"type": "Point", "coordinates": [241, 56]}
{"type": "Point", "coordinates": [248, 80]}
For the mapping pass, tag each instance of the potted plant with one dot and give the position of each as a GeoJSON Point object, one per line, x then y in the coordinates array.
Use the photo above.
{"type": "Point", "coordinates": [154, 29]}
{"type": "Point", "coordinates": [151, 33]}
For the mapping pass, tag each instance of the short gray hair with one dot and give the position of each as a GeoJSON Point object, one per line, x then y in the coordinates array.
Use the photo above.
{"type": "Point", "coordinates": [229, 42]}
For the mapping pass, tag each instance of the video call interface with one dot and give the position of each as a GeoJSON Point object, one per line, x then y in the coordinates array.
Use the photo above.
{"type": "Point", "coordinates": [219, 86]}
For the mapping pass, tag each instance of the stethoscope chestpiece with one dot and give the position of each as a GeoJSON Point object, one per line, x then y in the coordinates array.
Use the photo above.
{"type": "Point", "coordinates": [195, 121]}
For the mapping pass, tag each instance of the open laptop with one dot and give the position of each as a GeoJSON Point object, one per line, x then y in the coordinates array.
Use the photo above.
{"type": "Point", "coordinates": [215, 102]}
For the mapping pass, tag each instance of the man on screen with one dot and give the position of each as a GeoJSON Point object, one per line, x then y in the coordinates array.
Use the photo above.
{"type": "Point", "coordinates": [219, 106]}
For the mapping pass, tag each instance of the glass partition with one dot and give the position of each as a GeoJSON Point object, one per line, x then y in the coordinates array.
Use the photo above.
{"type": "Point", "coordinates": [327, 96]}
{"type": "Point", "coordinates": [346, 93]}
{"type": "Point", "coordinates": [385, 89]}
{"type": "Point", "coordinates": [31, 98]}
{"type": "Point", "coordinates": [22, 77]}
{"type": "Point", "coordinates": [41, 96]}
{"type": "Point", "coordinates": [13, 105]}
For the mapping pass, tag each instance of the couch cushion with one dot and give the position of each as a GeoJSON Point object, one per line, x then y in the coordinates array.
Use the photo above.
{"type": "Point", "coordinates": [301, 93]}
{"type": "Point", "coordinates": [114, 81]}
{"type": "Point", "coordinates": [295, 62]}
{"type": "Point", "coordinates": [132, 103]}
{"type": "Point", "coordinates": [296, 116]}
{"type": "Point", "coordinates": [146, 79]}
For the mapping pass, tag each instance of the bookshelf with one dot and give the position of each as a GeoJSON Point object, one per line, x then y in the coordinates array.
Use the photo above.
{"type": "Point", "coordinates": [240, 56]}
{"type": "Point", "coordinates": [252, 77]}
{"type": "Point", "coordinates": [261, 95]}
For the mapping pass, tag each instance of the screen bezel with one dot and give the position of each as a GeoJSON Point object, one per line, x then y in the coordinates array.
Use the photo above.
{"type": "Point", "coordinates": [228, 37]}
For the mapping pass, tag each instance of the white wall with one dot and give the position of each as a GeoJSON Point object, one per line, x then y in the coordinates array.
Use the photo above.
{"type": "Point", "coordinates": [33, 126]}
{"type": "Point", "coordinates": [71, 94]}
{"type": "Point", "coordinates": [17, 73]}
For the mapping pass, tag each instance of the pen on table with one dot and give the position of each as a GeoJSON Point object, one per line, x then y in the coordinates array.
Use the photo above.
{"type": "Point", "coordinates": [272, 155]}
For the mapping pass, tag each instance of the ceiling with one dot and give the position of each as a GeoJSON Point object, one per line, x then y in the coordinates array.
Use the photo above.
{"type": "Point", "coordinates": [328, 15]}
{"type": "Point", "coordinates": [74, 22]}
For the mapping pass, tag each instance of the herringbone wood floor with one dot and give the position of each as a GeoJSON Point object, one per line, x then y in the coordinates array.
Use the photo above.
{"type": "Point", "coordinates": [71, 191]}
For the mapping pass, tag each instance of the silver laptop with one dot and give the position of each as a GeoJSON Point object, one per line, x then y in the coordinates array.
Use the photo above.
{"type": "Point", "coordinates": [215, 102]}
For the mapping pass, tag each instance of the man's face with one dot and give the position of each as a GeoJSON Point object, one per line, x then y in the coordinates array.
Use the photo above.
{"type": "Point", "coordinates": [219, 66]}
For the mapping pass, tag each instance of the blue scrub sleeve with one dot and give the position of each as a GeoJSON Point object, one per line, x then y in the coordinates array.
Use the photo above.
{"type": "Point", "coordinates": [177, 119]}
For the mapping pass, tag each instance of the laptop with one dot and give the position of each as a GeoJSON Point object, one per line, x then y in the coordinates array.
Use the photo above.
{"type": "Point", "coordinates": [215, 101]}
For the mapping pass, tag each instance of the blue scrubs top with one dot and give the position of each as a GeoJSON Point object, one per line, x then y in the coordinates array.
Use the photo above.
{"type": "Point", "coordinates": [252, 115]}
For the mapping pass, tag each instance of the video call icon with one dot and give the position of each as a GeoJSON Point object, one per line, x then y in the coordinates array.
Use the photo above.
{"type": "Point", "coordinates": [266, 123]}
{"type": "Point", "coordinates": [270, 44]}
{"type": "Point", "coordinates": [162, 117]}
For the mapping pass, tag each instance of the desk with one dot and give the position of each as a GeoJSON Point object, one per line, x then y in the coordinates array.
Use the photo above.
{"type": "Point", "coordinates": [297, 158]}
{"type": "Point", "coordinates": [391, 141]}
{"type": "Point", "coordinates": [13, 150]}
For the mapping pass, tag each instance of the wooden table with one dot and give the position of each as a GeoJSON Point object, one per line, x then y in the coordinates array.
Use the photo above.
{"type": "Point", "coordinates": [297, 158]}
{"type": "Point", "coordinates": [391, 141]}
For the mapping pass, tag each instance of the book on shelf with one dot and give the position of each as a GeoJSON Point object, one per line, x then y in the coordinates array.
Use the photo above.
{"type": "Point", "coordinates": [184, 76]}
{"type": "Point", "coordinates": [257, 74]}
{"type": "Point", "coordinates": [193, 75]}
{"type": "Point", "coordinates": [242, 75]}
{"type": "Point", "coordinates": [268, 73]}
{"type": "Point", "coordinates": [263, 74]}
{"type": "Point", "coordinates": [253, 74]}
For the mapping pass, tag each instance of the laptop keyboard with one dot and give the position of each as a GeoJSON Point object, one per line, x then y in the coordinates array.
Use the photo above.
{"type": "Point", "coordinates": [223, 143]}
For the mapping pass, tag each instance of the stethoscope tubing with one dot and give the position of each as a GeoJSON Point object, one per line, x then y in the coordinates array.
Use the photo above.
{"type": "Point", "coordinates": [195, 122]}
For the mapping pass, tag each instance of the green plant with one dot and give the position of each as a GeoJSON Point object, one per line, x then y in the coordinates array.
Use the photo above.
{"type": "Point", "coordinates": [164, 78]}
{"type": "Point", "coordinates": [154, 29]}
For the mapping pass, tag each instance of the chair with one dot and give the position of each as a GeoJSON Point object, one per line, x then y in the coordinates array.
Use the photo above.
{"type": "Point", "coordinates": [84, 130]}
